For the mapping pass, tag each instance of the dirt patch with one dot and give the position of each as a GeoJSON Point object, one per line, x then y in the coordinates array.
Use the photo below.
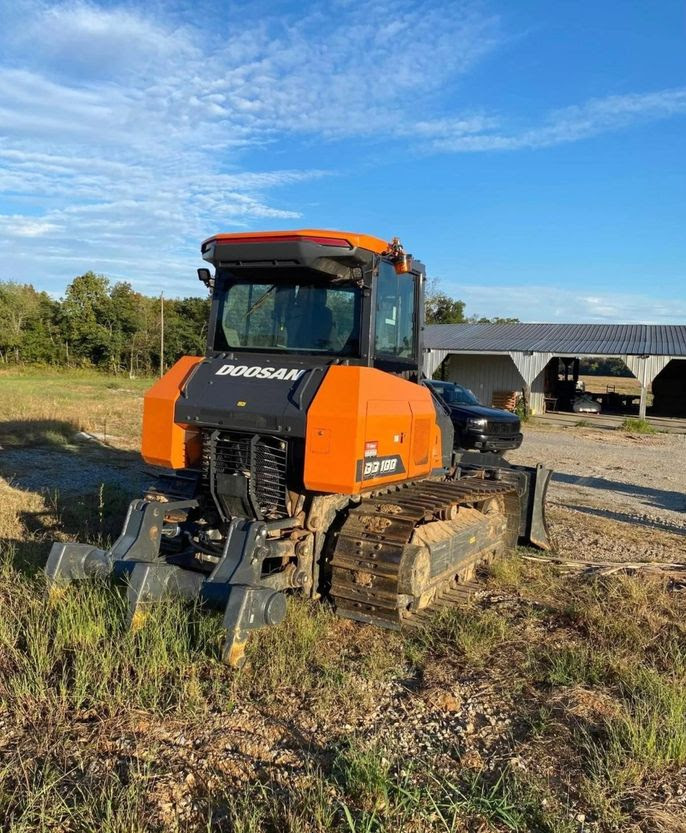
{"type": "Point", "coordinates": [583, 535]}
{"type": "Point", "coordinates": [589, 707]}
{"type": "Point", "coordinates": [612, 496]}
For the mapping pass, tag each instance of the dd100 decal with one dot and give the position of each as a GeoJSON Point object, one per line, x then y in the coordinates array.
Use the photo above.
{"type": "Point", "coordinates": [370, 469]}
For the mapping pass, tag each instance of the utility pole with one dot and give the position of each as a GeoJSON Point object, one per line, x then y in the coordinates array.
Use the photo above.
{"type": "Point", "coordinates": [161, 333]}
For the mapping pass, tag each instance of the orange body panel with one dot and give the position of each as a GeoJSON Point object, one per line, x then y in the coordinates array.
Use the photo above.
{"type": "Point", "coordinates": [164, 442]}
{"type": "Point", "coordinates": [364, 241]}
{"type": "Point", "coordinates": [367, 428]}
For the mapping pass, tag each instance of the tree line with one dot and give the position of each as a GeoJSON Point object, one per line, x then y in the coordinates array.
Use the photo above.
{"type": "Point", "coordinates": [603, 366]}
{"type": "Point", "coordinates": [98, 324]}
{"type": "Point", "coordinates": [112, 327]}
{"type": "Point", "coordinates": [441, 308]}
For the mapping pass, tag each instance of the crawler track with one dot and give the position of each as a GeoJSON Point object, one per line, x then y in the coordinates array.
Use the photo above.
{"type": "Point", "coordinates": [374, 543]}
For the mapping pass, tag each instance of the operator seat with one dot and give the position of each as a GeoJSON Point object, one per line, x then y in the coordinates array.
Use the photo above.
{"type": "Point", "coordinates": [322, 320]}
{"type": "Point", "coordinates": [310, 320]}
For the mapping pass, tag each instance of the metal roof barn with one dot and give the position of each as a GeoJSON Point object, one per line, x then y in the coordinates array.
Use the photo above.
{"type": "Point", "coordinates": [645, 348]}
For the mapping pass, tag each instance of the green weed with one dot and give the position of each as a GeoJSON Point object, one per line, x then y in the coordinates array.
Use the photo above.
{"type": "Point", "coordinates": [364, 773]}
{"type": "Point", "coordinates": [309, 653]}
{"type": "Point", "coordinates": [650, 731]}
{"type": "Point", "coordinates": [77, 653]}
{"type": "Point", "coordinates": [468, 633]}
{"type": "Point", "coordinates": [44, 798]}
{"type": "Point", "coordinates": [566, 665]}
{"type": "Point", "coordinates": [503, 802]}
{"type": "Point", "coordinates": [637, 426]}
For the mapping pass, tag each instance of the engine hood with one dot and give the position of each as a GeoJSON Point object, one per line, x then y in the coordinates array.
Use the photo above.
{"type": "Point", "coordinates": [250, 392]}
{"type": "Point", "coordinates": [482, 412]}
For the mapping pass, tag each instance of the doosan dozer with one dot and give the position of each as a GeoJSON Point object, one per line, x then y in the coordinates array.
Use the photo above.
{"type": "Point", "coordinates": [304, 453]}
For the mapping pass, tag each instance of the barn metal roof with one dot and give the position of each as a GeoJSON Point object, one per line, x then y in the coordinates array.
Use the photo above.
{"type": "Point", "coordinates": [560, 339]}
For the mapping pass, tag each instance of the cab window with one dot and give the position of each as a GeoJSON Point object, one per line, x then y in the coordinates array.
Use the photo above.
{"type": "Point", "coordinates": [295, 315]}
{"type": "Point", "coordinates": [395, 313]}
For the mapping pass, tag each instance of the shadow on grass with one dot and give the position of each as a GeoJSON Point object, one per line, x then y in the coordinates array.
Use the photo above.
{"type": "Point", "coordinates": [85, 487]}
{"type": "Point", "coordinates": [94, 517]}
{"type": "Point", "coordinates": [43, 432]}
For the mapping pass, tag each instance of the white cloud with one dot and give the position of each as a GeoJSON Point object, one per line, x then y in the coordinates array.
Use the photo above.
{"type": "Point", "coordinates": [557, 305]}
{"type": "Point", "coordinates": [571, 124]}
{"type": "Point", "coordinates": [122, 131]}
{"type": "Point", "coordinates": [21, 226]}
{"type": "Point", "coordinates": [80, 39]}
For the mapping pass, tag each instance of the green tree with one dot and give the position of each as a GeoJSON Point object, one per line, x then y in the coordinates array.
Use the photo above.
{"type": "Point", "coordinates": [26, 323]}
{"type": "Point", "coordinates": [497, 319]}
{"type": "Point", "coordinates": [128, 332]}
{"type": "Point", "coordinates": [88, 320]}
{"type": "Point", "coordinates": [186, 322]}
{"type": "Point", "coordinates": [42, 341]}
{"type": "Point", "coordinates": [440, 308]}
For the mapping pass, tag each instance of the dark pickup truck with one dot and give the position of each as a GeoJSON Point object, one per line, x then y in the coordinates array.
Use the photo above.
{"type": "Point", "coordinates": [476, 426]}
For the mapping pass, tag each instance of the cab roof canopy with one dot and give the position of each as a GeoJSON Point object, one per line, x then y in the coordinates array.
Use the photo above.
{"type": "Point", "coordinates": [318, 249]}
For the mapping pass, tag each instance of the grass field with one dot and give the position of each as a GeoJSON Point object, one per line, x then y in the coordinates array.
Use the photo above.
{"type": "Point", "coordinates": [552, 703]}
{"type": "Point", "coordinates": [620, 384]}
{"type": "Point", "coordinates": [66, 402]}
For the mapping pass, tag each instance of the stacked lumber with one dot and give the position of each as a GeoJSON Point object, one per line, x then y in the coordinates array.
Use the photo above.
{"type": "Point", "coordinates": [505, 399]}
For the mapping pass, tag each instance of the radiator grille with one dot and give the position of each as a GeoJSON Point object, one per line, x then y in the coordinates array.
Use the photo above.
{"type": "Point", "coordinates": [500, 428]}
{"type": "Point", "coordinates": [262, 460]}
{"type": "Point", "coordinates": [270, 461]}
{"type": "Point", "coordinates": [232, 454]}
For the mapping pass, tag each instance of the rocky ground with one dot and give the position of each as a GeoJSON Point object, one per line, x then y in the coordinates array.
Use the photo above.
{"type": "Point", "coordinates": [614, 496]}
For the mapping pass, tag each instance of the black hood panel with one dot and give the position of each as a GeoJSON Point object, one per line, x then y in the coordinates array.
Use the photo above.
{"type": "Point", "coordinates": [482, 412]}
{"type": "Point", "coordinates": [250, 392]}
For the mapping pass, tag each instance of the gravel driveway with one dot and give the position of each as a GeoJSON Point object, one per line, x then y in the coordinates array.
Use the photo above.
{"type": "Point", "coordinates": [614, 496]}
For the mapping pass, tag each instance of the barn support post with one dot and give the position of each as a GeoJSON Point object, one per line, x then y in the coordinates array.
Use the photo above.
{"type": "Point", "coordinates": [644, 402]}
{"type": "Point", "coordinates": [432, 361]}
{"type": "Point", "coordinates": [645, 369]}
{"type": "Point", "coordinates": [527, 399]}
{"type": "Point", "coordinates": [529, 365]}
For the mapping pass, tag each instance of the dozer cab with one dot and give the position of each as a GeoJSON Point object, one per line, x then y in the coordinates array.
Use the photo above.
{"type": "Point", "coordinates": [304, 453]}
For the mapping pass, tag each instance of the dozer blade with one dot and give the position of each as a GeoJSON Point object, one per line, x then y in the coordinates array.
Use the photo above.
{"type": "Point", "coordinates": [531, 483]}
{"type": "Point", "coordinates": [537, 533]}
{"type": "Point", "coordinates": [135, 559]}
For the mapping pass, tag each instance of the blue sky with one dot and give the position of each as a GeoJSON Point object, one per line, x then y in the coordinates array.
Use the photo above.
{"type": "Point", "coordinates": [531, 153]}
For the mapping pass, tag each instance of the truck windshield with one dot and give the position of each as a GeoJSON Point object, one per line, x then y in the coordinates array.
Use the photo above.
{"type": "Point", "coordinates": [456, 394]}
{"type": "Point", "coordinates": [298, 316]}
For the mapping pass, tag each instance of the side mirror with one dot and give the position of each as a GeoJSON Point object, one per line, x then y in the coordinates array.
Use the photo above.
{"type": "Point", "coordinates": [403, 264]}
{"type": "Point", "coordinates": [205, 276]}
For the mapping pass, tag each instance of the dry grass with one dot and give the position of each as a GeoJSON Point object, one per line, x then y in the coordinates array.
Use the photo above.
{"type": "Point", "coordinates": [48, 407]}
{"type": "Point", "coordinates": [613, 664]}
{"type": "Point", "coordinates": [14, 504]}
